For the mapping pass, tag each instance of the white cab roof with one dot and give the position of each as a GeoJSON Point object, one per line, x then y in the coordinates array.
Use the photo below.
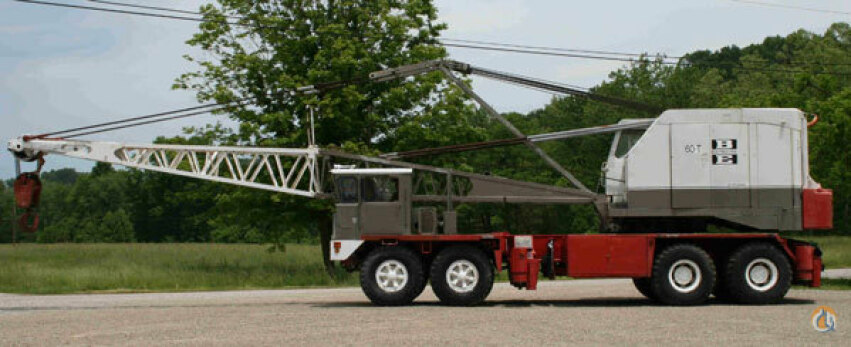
{"type": "Point", "coordinates": [376, 171]}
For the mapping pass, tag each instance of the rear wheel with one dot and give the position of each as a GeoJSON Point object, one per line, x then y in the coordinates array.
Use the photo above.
{"type": "Point", "coordinates": [757, 273]}
{"type": "Point", "coordinates": [392, 276]}
{"type": "Point", "coordinates": [461, 276]}
{"type": "Point", "coordinates": [682, 275]}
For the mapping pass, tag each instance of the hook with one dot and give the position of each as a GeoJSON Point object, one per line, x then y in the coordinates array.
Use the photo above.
{"type": "Point", "coordinates": [814, 121]}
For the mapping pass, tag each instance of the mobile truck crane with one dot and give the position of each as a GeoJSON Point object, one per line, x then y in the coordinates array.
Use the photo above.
{"type": "Point", "coordinates": [666, 179]}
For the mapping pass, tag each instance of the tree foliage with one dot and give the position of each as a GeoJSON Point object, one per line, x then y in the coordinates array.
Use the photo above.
{"type": "Point", "coordinates": [280, 46]}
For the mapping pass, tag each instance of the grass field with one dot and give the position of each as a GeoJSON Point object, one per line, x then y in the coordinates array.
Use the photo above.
{"type": "Point", "coordinates": [836, 249]}
{"type": "Point", "coordinates": [75, 268]}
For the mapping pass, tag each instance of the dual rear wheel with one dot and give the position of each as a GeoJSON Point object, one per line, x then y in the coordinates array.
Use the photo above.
{"type": "Point", "coordinates": [757, 273]}
{"type": "Point", "coordinates": [684, 274]}
{"type": "Point", "coordinates": [460, 276]}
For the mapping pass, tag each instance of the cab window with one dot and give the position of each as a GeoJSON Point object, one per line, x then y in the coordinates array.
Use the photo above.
{"type": "Point", "coordinates": [347, 189]}
{"type": "Point", "coordinates": [380, 189]}
{"type": "Point", "coordinates": [628, 139]}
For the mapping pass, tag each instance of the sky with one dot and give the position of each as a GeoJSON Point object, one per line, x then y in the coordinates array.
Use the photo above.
{"type": "Point", "coordinates": [62, 68]}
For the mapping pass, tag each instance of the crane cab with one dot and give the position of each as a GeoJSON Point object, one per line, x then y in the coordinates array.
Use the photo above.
{"type": "Point", "coordinates": [744, 168]}
{"type": "Point", "coordinates": [374, 201]}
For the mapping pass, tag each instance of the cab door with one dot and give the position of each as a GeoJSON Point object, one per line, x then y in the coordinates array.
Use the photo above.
{"type": "Point", "coordinates": [382, 210]}
{"type": "Point", "coordinates": [346, 218]}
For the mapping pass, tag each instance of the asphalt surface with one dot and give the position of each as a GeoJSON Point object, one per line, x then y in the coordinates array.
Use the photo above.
{"type": "Point", "coordinates": [561, 312]}
{"type": "Point", "coordinates": [836, 273]}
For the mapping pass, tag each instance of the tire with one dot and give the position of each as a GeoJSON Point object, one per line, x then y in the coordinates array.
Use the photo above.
{"type": "Point", "coordinates": [643, 286]}
{"type": "Point", "coordinates": [402, 273]}
{"type": "Point", "coordinates": [683, 274]}
{"type": "Point", "coordinates": [457, 260]}
{"type": "Point", "coordinates": [757, 274]}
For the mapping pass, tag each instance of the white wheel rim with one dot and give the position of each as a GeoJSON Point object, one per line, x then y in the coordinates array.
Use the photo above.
{"type": "Point", "coordinates": [761, 274]}
{"type": "Point", "coordinates": [391, 276]}
{"type": "Point", "coordinates": [684, 276]}
{"type": "Point", "coordinates": [462, 276]}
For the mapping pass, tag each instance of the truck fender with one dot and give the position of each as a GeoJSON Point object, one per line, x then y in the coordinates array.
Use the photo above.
{"type": "Point", "coordinates": [343, 249]}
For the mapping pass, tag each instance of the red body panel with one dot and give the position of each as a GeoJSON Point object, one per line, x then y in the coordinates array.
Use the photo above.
{"type": "Point", "coordinates": [807, 264]}
{"type": "Point", "coordinates": [818, 208]}
{"type": "Point", "coordinates": [609, 255]}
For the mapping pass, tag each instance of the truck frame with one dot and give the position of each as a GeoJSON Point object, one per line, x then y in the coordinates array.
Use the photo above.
{"type": "Point", "coordinates": [396, 223]}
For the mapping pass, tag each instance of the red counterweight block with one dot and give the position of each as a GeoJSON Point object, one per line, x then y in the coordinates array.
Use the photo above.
{"type": "Point", "coordinates": [818, 208]}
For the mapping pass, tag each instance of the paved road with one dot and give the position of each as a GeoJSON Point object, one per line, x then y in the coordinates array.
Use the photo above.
{"type": "Point", "coordinates": [836, 273]}
{"type": "Point", "coordinates": [581, 311]}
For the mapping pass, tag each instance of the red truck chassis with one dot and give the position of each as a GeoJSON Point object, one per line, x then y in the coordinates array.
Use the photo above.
{"type": "Point", "coordinates": [598, 255]}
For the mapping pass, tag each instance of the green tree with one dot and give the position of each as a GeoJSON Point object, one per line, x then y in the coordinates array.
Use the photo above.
{"type": "Point", "coordinates": [829, 156]}
{"type": "Point", "coordinates": [6, 201]}
{"type": "Point", "coordinates": [63, 176]}
{"type": "Point", "coordinates": [93, 209]}
{"type": "Point", "coordinates": [281, 45]}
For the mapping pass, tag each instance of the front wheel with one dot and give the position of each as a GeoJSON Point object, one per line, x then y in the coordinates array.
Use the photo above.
{"type": "Point", "coordinates": [392, 276]}
{"type": "Point", "coordinates": [682, 275]}
{"type": "Point", "coordinates": [461, 276]}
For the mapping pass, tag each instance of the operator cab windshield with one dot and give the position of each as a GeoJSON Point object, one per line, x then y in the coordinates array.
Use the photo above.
{"type": "Point", "coordinates": [372, 189]}
{"type": "Point", "coordinates": [626, 140]}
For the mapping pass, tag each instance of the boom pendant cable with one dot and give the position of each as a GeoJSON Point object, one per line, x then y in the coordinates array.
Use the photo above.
{"type": "Point", "coordinates": [695, 64]}
{"type": "Point", "coordinates": [207, 108]}
{"type": "Point", "coordinates": [40, 136]}
{"type": "Point", "coordinates": [659, 55]}
{"type": "Point", "coordinates": [143, 123]}
{"type": "Point", "coordinates": [557, 49]}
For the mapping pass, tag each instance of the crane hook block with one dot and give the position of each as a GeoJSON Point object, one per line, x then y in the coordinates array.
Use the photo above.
{"type": "Point", "coordinates": [29, 221]}
{"type": "Point", "coordinates": [27, 190]}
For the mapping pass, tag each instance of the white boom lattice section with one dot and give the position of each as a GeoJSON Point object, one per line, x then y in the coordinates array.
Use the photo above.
{"type": "Point", "coordinates": [286, 170]}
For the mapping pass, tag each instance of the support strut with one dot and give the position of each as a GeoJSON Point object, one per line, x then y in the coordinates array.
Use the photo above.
{"type": "Point", "coordinates": [540, 152]}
